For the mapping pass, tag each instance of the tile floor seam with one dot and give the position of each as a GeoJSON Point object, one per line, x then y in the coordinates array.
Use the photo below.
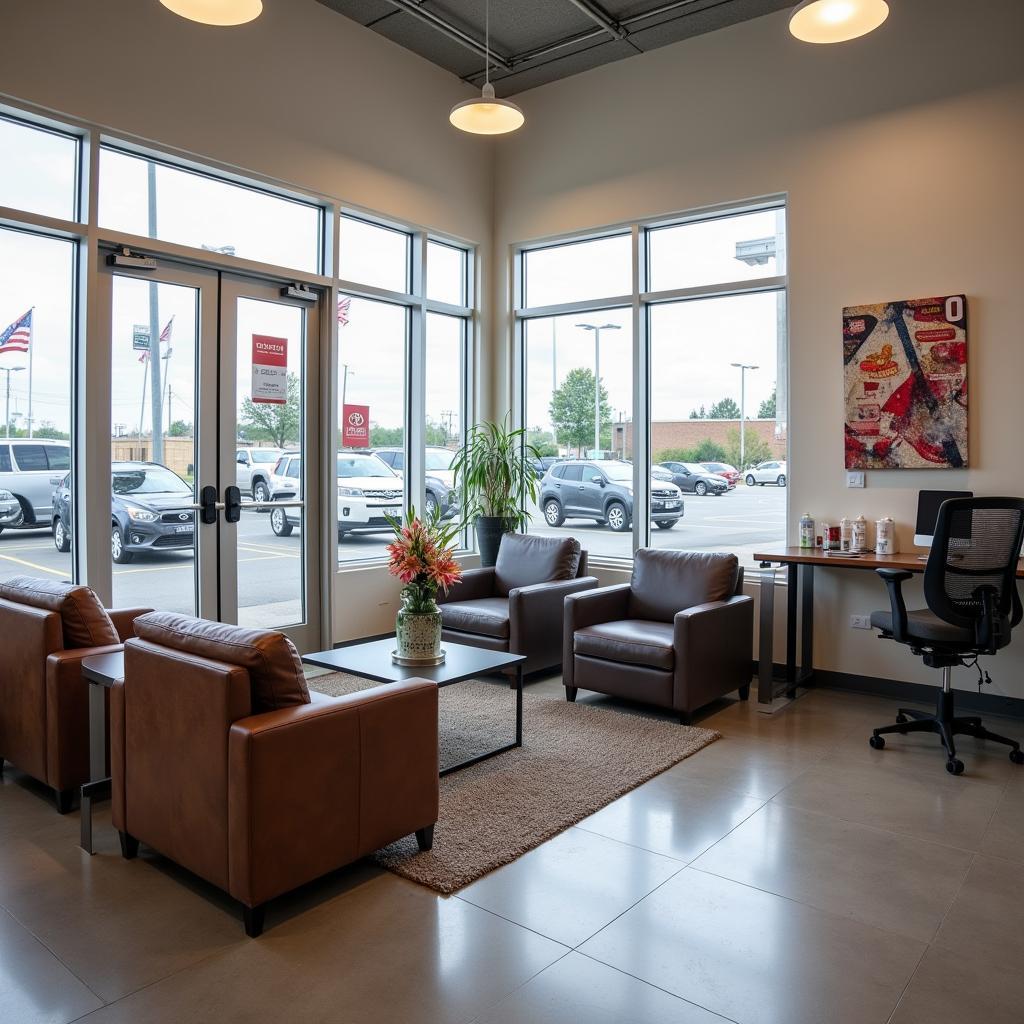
{"type": "Point", "coordinates": [956, 896]}
{"type": "Point", "coordinates": [517, 924]}
{"type": "Point", "coordinates": [910, 980]}
{"type": "Point", "coordinates": [490, 1006]}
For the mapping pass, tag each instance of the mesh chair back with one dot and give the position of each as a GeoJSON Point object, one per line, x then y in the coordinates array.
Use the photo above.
{"type": "Point", "coordinates": [976, 545]}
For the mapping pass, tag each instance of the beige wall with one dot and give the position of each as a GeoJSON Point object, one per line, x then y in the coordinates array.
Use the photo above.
{"type": "Point", "coordinates": [902, 157]}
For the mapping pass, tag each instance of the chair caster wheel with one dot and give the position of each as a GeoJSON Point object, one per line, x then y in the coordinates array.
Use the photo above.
{"type": "Point", "coordinates": [955, 766]}
{"type": "Point", "coordinates": [877, 742]}
{"type": "Point", "coordinates": [1017, 756]}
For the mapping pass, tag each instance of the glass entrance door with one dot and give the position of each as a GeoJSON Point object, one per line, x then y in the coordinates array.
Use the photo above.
{"type": "Point", "coordinates": [212, 417]}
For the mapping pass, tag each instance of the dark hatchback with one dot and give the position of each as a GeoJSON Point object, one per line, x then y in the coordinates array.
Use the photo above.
{"type": "Point", "coordinates": [150, 510]}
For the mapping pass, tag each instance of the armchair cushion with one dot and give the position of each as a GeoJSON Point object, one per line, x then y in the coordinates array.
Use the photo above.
{"type": "Point", "coordinates": [84, 620]}
{"type": "Point", "coordinates": [665, 581]}
{"type": "Point", "coordinates": [486, 615]}
{"type": "Point", "coordinates": [632, 641]}
{"type": "Point", "coordinates": [525, 559]}
{"type": "Point", "coordinates": [269, 657]}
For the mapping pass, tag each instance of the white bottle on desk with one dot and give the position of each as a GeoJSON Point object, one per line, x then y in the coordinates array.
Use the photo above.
{"type": "Point", "coordinates": [885, 536]}
{"type": "Point", "coordinates": [859, 537]}
{"type": "Point", "coordinates": [845, 534]}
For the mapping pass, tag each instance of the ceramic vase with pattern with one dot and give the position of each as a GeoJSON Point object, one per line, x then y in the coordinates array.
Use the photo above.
{"type": "Point", "coordinates": [418, 634]}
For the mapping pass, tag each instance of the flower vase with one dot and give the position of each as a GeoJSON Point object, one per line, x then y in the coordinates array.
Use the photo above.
{"type": "Point", "coordinates": [418, 634]}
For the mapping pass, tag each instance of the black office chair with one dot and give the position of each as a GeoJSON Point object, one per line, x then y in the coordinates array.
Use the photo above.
{"type": "Point", "coordinates": [970, 587]}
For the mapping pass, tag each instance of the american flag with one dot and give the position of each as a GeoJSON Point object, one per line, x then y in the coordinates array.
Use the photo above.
{"type": "Point", "coordinates": [165, 337]}
{"type": "Point", "coordinates": [344, 305]}
{"type": "Point", "coordinates": [18, 336]}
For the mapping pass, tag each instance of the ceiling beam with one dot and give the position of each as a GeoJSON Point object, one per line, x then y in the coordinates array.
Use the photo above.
{"type": "Point", "coordinates": [453, 32]}
{"type": "Point", "coordinates": [598, 14]}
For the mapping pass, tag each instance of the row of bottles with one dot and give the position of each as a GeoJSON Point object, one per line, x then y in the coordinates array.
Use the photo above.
{"type": "Point", "coordinates": [851, 535]}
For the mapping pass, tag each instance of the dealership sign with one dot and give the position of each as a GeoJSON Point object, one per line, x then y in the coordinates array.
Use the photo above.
{"type": "Point", "coordinates": [269, 369]}
{"type": "Point", "coordinates": [355, 426]}
{"type": "Point", "coordinates": [140, 337]}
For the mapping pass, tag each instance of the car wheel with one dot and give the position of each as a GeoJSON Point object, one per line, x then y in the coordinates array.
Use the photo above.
{"type": "Point", "coordinates": [430, 506]}
{"type": "Point", "coordinates": [617, 518]}
{"type": "Point", "coordinates": [750, 480]}
{"type": "Point", "coordinates": [61, 538]}
{"type": "Point", "coordinates": [279, 523]}
{"type": "Point", "coordinates": [663, 524]}
{"type": "Point", "coordinates": [260, 491]}
{"type": "Point", "coordinates": [117, 547]}
{"type": "Point", "coordinates": [781, 481]}
{"type": "Point", "coordinates": [700, 488]}
{"type": "Point", "coordinates": [553, 514]}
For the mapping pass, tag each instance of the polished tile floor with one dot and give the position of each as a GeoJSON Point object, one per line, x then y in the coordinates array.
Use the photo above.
{"type": "Point", "coordinates": [787, 874]}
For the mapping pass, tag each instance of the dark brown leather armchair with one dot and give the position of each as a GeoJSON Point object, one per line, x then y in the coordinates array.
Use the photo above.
{"type": "Point", "coordinates": [48, 627]}
{"type": "Point", "coordinates": [516, 605]}
{"type": "Point", "coordinates": [222, 760]}
{"type": "Point", "coordinates": [678, 635]}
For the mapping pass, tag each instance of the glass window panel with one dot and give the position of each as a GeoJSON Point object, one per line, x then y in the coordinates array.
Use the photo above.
{"type": "Point", "coordinates": [39, 170]}
{"type": "Point", "coordinates": [374, 255]}
{"type": "Point", "coordinates": [446, 273]}
{"type": "Point", "coordinates": [206, 212]}
{"type": "Point", "coordinates": [446, 369]}
{"type": "Point", "coordinates": [744, 247]}
{"type": "Point", "coordinates": [697, 400]}
{"type": "Point", "coordinates": [560, 416]}
{"type": "Point", "coordinates": [372, 341]}
{"type": "Point", "coordinates": [36, 396]}
{"type": "Point", "coordinates": [578, 271]}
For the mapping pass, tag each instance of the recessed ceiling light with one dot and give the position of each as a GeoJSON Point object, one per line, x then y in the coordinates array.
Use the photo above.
{"type": "Point", "coordinates": [216, 12]}
{"type": "Point", "coordinates": [835, 21]}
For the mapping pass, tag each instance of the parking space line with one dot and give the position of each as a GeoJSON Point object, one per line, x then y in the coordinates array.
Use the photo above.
{"type": "Point", "coordinates": [34, 565]}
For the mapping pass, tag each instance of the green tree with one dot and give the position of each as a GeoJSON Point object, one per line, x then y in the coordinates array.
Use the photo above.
{"type": "Point", "coordinates": [47, 429]}
{"type": "Point", "coordinates": [698, 414]}
{"type": "Point", "coordinates": [755, 450]}
{"type": "Point", "coordinates": [179, 428]}
{"type": "Point", "coordinates": [572, 411]}
{"type": "Point", "coordinates": [767, 409]}
{"type": "Point", "coordinates": [542, 440]}
{"type": "Point", "coordinates": [724, 409]}
{"type": "Point", "coordinates": [386, 437]}
{"type": "Point", "coordinates": [706, 451]}
{"type": "Point", "coordinates": [264, 421]}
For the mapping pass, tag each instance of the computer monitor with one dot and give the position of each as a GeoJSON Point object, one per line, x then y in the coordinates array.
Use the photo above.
{"type": "Point", "coordinates": [928, 503]}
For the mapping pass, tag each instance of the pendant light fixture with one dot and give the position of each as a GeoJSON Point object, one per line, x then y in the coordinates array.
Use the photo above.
{"type": "Point", "coordinates": [487, 115]}
{"type": "Point", "coordinates": [216, 12]}
{"type": "Point", "coordinates": [835, 21]}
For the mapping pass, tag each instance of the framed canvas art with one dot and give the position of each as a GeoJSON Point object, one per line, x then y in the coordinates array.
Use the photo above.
{"type": "Point", "coordinates": [905, 382]}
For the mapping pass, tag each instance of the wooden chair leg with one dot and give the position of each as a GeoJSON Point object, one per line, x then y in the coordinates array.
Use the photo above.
{"type": "Point", "coordinates": [64, 799]}
{"type": "Point", "coordinates": [425, 838]}
{"type": "Point", "coordinates": [253, 918]}
{"type": "Point", "coordinates": [129, 846]}
{"type": "Point", "coordinates": [685, 718]}
{"type": "Point", "coordinates": [744, 692]}
{"type": "Point", "coordinates": [570, 693]}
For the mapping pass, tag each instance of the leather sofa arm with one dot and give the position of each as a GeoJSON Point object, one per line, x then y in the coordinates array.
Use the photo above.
{"type": "Point", "coordinates": [319, 785]}
{"type": "Point", "coordinates": [535, 616]}
{"type": "Point", "coordinates": [124, 620]}
{"type": "Point", "coordinates": [475, 584]}
{"type": "Point", "coordinates": [605, 604]}
{"type": "Point", "coordinates": [714, 650]}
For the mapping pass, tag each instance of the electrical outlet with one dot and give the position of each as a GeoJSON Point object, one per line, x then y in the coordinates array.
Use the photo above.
{"type": "Point", "coordinates": [860, 621]}
{"type": "Point", "coordinates": [855, 479]}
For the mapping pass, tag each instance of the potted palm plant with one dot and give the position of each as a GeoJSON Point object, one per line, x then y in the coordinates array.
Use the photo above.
{"type": "Point", "coordinates": [495, 477]}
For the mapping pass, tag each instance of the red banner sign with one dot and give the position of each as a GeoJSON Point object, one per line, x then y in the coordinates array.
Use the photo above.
{"type": "Point", "coordinates": [355, 426]}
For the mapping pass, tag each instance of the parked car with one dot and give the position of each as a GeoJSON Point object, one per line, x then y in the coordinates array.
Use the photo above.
{"type": "Point", "coordinates": [150, 510]}
{"type": "Point", "coordinates": [603, 491]}
{"type": "Point", "coordinates": [693, 478]}
{"type": "Point", "coordinates": [253, 467]}
{"type": "Point", "coordinates": [731, 473]}
{"type": "Point", "coordinates": [30, 468]}
{"type": "Point", "coordinates": [439, 482]}
{"type": "Point", "coordinates": [771, 472]}
{"type": "Point", "coordinates": [368, 491]}
{"type": "Point", "coordinates": [542, 464]}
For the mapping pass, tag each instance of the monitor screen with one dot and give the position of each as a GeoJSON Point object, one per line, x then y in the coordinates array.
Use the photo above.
{"type": "Point", "coordinates": [928, 503]}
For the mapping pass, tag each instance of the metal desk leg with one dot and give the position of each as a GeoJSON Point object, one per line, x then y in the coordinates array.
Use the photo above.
{"type": "Point", "coordinates": [807, 624]}
{"type": "Point", "coordinates": [519, 704]}
{"type": "Point", "coordinates": [97, 761]}
{"type": "Point", "coordinates": [766, 628]}
{"type": "Point", "coordinates": [791, 622]}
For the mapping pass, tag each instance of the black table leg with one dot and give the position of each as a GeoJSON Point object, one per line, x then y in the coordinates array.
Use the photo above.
{"type": "Point", "coordinates": [792, 578]}
{"type": "Point", "coordinates": [519, 704]}
{"type": "Point", "coordinates": [98, 784]}
{"type": "Point", "coordinates": [807, 624]}
{"type": "Point", "coordinates": [766, 637]}
{"type": "Point", "coordinates": [508, 746]}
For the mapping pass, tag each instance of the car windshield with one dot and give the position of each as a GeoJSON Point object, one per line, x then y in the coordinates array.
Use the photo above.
{"type": "Point", "coordinates": [148, 480]}
{"type": "Point", "coordinates": [620, 472]}
{"type": "Point", "coordinates": [265, 455]}
{"type": "Point", "coordinates": [694, 468]}
{"type": "Point", "coordinates": [363, 465]}
{"type": "Point", "coordinates": [439, 459]}
{"type": "Point", "coordinates": [715, 467]}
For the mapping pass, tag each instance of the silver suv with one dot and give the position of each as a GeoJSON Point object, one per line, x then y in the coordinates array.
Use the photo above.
{"type": "Point", "coordinates": [30, 470]}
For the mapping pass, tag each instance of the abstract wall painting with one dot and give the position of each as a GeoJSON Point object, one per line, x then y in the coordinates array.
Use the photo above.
{"type": "Point", "coordinates": [905, 381]}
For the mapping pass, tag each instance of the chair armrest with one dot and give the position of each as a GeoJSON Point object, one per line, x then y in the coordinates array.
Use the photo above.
{"type": "Point", "coordinates": [714, 645]}
{"type": "Point", "coordinates": [314, 787]}
{"type": "Point", "coordinates": [603, 604]}
{"type": "Point", "coordinates": [474, 584]}
{"type": "Point", "coordinates": [535, 615]}
{"type": "Point", "coordinates": [124, 620]}
{"type": "Point", "coordinates": [894, 580]}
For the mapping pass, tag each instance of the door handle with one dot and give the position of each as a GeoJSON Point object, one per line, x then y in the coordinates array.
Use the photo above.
{"type": "Point", "coordinates": [232, 504]}
{"type": "Point", "coordinates": [208, 505]}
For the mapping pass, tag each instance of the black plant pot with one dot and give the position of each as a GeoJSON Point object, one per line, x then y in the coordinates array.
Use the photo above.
{"type": "Point", "coordinates": [489, 531]}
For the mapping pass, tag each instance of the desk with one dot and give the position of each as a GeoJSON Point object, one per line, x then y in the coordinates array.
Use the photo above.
{"type": "Point", "coordinates": [100, 671]}
{"type": "Point", "coordinates": [800, 564]}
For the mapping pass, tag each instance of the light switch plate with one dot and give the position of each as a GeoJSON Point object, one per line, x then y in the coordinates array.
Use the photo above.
{"type": "Point", "coordinates": [855, 479]}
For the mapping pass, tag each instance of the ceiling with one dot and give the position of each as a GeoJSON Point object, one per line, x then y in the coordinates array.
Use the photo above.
{"type": "Point", "coordinates": [538, 41]}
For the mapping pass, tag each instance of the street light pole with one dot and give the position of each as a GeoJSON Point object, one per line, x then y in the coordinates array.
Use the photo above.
{"type": "Point", "coordinates": [597, 374]}
{"type": "Point", "coordinates": [743, 367]}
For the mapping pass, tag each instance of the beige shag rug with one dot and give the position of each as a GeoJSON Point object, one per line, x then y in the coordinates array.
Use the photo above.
{"type": "Point", "coordinates": [575, 759]}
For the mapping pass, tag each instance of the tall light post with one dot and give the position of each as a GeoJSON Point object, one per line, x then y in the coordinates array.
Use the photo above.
{"type": "Point", "coordinates": [345, 374]}
{"type": "Point", "coordinates": [743, 367]}
{"type": "Point", "coordinates": [597, 329]}
{"type": "Point", "coordinates": [7, 406]}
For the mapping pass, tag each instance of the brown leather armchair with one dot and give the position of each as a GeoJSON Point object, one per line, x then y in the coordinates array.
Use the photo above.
{"type": "Point", "coordinates": [516, 605]}
{"type": "Point", "coordinates": [678, 635]}
{"type": "Point", "coordinates": [48, 627]}
{"type": "Point", "coordinates": [222, 761]}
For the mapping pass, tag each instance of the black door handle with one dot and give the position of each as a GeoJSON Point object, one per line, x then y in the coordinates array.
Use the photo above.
{"type": "Point", "coordinates": [232, 504]}
{"type": "Point", "coordinates": [208, 505]}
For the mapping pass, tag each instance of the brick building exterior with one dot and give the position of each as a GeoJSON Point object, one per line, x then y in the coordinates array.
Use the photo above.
{"type": "Point", "coordinates": [689, 433]}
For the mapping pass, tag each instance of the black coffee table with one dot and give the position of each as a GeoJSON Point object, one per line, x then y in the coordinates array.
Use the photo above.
{"type": "Point", "coordinates": [372, 660]}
